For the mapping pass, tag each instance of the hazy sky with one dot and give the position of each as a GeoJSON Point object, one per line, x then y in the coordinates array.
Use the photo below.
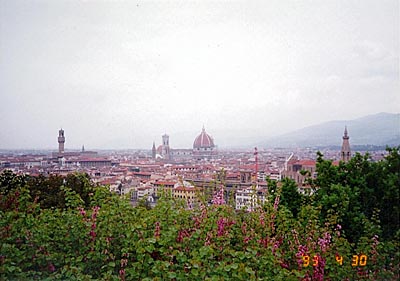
{"type": "Point", "coordinates": [119, 74]}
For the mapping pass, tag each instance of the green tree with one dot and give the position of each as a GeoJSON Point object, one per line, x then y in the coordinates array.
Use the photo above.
{"type": "Point", "coordinates": [46, 190]}
{"type": "Point", "coordinates": [359, 189]}
{"type": "Point", "coordinates": [388, 193]}
{"type": "Point", "coordinates": [10, 181]}
{"type": "Point", "coordinates": [81, 184]}
{"type": "Point", "coordinates": [290, 196]}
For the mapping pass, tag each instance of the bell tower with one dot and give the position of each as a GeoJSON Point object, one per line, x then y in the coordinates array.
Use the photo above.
{"type": "Point", "coordinates": [165, 146]}
{"type": "Point", "coordinates": [153, 151]}
{"type": "Point", "coordinates": [345, 153]}
{"type": "Point", "coordinates": [61, 141]}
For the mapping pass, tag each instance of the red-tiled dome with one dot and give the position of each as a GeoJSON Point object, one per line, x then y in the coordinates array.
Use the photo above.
{"type": "Point", "coordinates": [203, 140]}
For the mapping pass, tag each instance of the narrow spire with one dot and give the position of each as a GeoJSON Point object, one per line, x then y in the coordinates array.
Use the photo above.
{"type": "Point", "coordinates": [345, 153]}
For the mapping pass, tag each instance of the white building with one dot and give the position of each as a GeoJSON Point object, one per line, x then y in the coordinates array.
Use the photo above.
{"type": "Point", "coordinates": [249, 198]}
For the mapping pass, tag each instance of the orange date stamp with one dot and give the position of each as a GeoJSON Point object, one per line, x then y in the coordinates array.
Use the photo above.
{"type": "Point", "coordinates": [356, 260]}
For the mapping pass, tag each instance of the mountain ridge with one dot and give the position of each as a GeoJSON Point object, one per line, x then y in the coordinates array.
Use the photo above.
{"type": "Point", "coordinates": [376, 129]}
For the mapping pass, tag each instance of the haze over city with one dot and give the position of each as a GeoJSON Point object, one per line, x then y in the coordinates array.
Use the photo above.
{"type": "Point", "coordinates": [119, 74]}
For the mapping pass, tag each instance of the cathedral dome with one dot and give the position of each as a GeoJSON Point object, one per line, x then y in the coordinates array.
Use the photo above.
{"type": "Point", "coordinates": [203, 140]}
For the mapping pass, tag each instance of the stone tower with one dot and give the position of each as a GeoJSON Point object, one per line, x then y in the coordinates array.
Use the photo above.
{"type": "Point", "coordinates": [153, 151]}
{"type": "Point", "coordinates": [345, 153]}
{"type": "Point", "coordinates": [165, 146]}
{"type": "Point", "coordinates": [61, 141]}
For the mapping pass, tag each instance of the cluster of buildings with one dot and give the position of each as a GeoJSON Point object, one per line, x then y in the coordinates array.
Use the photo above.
{"type": "Point", "coordinates": [184, 173]}
{"type": "Point", "coordinates": [59, 162]}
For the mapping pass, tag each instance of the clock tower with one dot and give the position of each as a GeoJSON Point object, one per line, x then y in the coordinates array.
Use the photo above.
{"type": "Point", "coordinates": [61, 141]}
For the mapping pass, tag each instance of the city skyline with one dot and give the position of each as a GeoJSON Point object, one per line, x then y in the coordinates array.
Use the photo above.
{"type": "Point", "coordinates": [321, 135]}
{"type": "Point", "coordinates": [120, 74]}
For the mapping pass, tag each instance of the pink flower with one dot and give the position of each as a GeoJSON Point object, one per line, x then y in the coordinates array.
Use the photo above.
{"type": "Point", "coordinates": [95, 212]}
{"type": "Point", "coordinates": [276, 203]}
{"type": "Point", "coordinates": [276, 245]}
{"type": "Point", "coordinates": [263, 242]}
{"type": "Point", "coordinates": [157, 230]}
{"type": "Point", "coordinates": [108, 240]}
{"type": "Point", "coordinates": [82, 211]}
{"type": "Point", "coordinates": [284, 265]}
{"type": "Point", "coordinates": [218, 198]}
{"type": "Point", "coordinates": [244, 227]}
{"type": "Point", "coordinates": [221, 226]}
{"type": "Point", "coordinates": [374, 248]}
{"type": "Point", "coordinates": [124, 262]}
{"type": "Point", "coordinates": [262, 222]}
{"type": "Point", "coordinates": [180, 237]}
{"type": "Point", "coordinates": [302, 251]}
{"type": "Point", "coordinates": [295, 237]}
{"type": "Point", "coordinates": [122, 274]}
{"type": "Point", "coordinates": [199, 219]}
{"type": "Point", "coordinates": [338, 228]}
{"type": "Point", "coordinates": [51, 267]}
{"type": "Point", "coordinates": [208, 239]}
{"type": "Point", "coordinates": [319, 270]}
{"type": "Point", "coordinates": [324, 242]}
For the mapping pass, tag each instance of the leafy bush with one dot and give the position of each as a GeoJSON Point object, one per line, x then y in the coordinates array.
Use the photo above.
{"type": "Point", "coordinates": [97, 235]}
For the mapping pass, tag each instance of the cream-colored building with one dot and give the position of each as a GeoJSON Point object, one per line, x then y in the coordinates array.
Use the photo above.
{"type": "Point", "coordinates": [249, 198]}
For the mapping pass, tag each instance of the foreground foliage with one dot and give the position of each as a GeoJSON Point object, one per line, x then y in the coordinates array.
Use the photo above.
{"type": "Point", "coordinates": [93, 234]}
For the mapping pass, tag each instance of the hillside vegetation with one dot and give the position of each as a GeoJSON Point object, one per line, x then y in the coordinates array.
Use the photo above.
{"type": "Point", "coordinates": [58, 228]}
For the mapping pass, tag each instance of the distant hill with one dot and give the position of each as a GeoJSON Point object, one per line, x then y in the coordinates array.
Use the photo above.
{"type": "Point", "coordinates": [379, 129]}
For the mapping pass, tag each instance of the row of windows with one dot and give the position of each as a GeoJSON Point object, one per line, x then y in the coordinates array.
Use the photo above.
{"type": "Point", "coordinates": [182, 196]}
